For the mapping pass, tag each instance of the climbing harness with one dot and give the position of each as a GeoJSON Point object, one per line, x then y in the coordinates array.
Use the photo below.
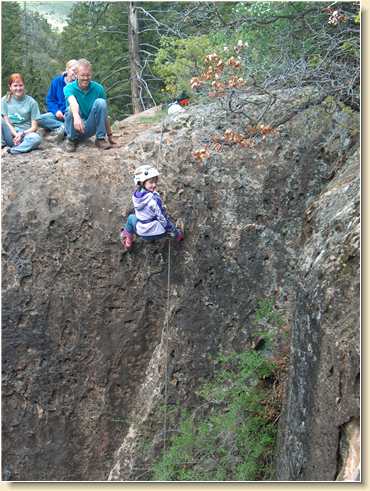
{"type": "Point", "coordinates": [149, 220]}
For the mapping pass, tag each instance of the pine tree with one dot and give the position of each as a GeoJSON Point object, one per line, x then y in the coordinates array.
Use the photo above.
{"type": "Point", "coordinates": [11, 40]}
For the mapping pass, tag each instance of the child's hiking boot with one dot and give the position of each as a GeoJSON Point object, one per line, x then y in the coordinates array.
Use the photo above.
{"type": "Point", "coordinates": [179, 235]}
{"type": "Point", "coordinates": [179, 230]}
{"type": "Point", "coordinates": [127, 239]}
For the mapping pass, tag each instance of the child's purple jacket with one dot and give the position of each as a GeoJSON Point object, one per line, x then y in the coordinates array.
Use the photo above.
{"type": "Point", "coordinates": [152, 217]}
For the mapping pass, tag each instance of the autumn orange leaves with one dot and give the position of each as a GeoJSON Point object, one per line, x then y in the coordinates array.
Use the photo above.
{"type": "Point", "coordinates": [218, 72]}
{"type": "Point", "coordinates": [231, 137]}
{"type": "Point", "coordinates": [221, 76]}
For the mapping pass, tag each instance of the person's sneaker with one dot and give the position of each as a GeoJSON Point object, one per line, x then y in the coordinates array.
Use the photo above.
{"type": "Point", "coordinates": [127, 240]}
{"type": "Point", "coordinates": [60, 134]}
{"type": "Point", "coordinates": [57, 136]}
{"type": "Point", "coordinates": [71, 145]}
{"type": "Point", "coordinates": [102, 144]}
{"type": "Point", "coordinates": [179, 235]}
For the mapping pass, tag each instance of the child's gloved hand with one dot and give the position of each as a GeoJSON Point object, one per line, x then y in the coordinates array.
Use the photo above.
{"type": "Point", "coordinates": [179, 235]}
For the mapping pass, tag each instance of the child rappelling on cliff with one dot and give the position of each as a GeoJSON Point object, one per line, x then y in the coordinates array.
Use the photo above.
{"type": "Point", "coordinates": [150, 220]}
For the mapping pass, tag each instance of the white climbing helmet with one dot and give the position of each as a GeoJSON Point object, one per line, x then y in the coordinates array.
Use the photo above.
{"type": "Point", "coordinates": [145, 172]}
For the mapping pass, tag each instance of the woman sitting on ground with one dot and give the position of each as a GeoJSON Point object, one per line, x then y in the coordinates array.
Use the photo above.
{"type": "Point", "coordinates": [19, 113]}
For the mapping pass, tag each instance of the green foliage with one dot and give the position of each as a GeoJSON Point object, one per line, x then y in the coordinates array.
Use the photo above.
{"type": "Point", "coordinates": [268, 321]}
{"type": "Point", "coordinates": [174, 39]}
{"type": "Point", "coordinates": [267, 40]}
{"type": "Point", "coordinates": [31, 47]}
{"type": "Point", "coordinates": [177, 60]}
{"type": "Point", "coordinates": [266, 312]}
{"type": "Point", "coordinates": [235, 439]}
{"type": "Point", "coordinates": [103, 41]}
{"type": "Point", "coordinates": [11, 40]}
{"type": "Point", "coordinates": [314, 60]}
{"type": "Point", "coordinates": [350, 49]}
{"type": "Point", "coordinates": [294, 41]}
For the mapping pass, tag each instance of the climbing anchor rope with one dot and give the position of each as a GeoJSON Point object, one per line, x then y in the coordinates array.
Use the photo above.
{"type": "Point", "coordinates": [160, 146]}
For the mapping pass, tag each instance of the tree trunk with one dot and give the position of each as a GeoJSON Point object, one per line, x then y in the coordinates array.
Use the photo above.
{"type": "Point", "coordinates": [133, 46]}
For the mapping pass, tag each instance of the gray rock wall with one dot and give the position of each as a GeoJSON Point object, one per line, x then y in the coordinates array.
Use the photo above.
{"type": "Point", "coordinates": [83, 352]}
{"type": "Point", "coordinates": [323, 392]}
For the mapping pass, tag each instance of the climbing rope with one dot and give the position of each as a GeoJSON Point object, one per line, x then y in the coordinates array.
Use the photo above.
{"type": "Point", "coordinates": [166, 324]}
{"type": "Point", "coordinates": [166, 334]}
{"type": "Point", "coordinates": [160, 146]}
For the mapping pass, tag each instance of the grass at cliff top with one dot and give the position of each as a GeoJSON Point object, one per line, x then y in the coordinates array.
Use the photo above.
{"type": "Point", "coordinates": [156, 118]}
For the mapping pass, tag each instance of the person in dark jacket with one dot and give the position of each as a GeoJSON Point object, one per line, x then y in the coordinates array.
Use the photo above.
{"type": "Point", "coordinates": [56, 102]}
{"type": "Point", "coordinates": [55, 99]}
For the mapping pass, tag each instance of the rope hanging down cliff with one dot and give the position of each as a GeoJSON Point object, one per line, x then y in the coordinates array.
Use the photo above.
{"type": "Point", "coordinates": [166, 321]}
{"type": "Point", "coordinates": [166, 335]}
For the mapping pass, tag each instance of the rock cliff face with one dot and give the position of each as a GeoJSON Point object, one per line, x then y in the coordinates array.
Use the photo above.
{"type": "Point", "coordinates": [323, 393]}
{"type": "Point", "coordinates": [88, 331]}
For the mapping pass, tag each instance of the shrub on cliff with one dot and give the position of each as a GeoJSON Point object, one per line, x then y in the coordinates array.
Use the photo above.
{"type": "Point", "coordinates": [231, 436]}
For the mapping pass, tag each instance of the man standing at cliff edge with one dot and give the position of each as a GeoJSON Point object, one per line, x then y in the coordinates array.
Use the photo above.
{"type": "Point", "coordinates": [86, 113]}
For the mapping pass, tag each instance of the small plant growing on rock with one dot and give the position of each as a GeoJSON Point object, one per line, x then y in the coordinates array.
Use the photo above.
{"type": "Point", "coordinates": [266, 311]}
{"type": "Point", "coordinates": [271, 328]}
{"type": "Point", "coordinates": [231, 436]}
